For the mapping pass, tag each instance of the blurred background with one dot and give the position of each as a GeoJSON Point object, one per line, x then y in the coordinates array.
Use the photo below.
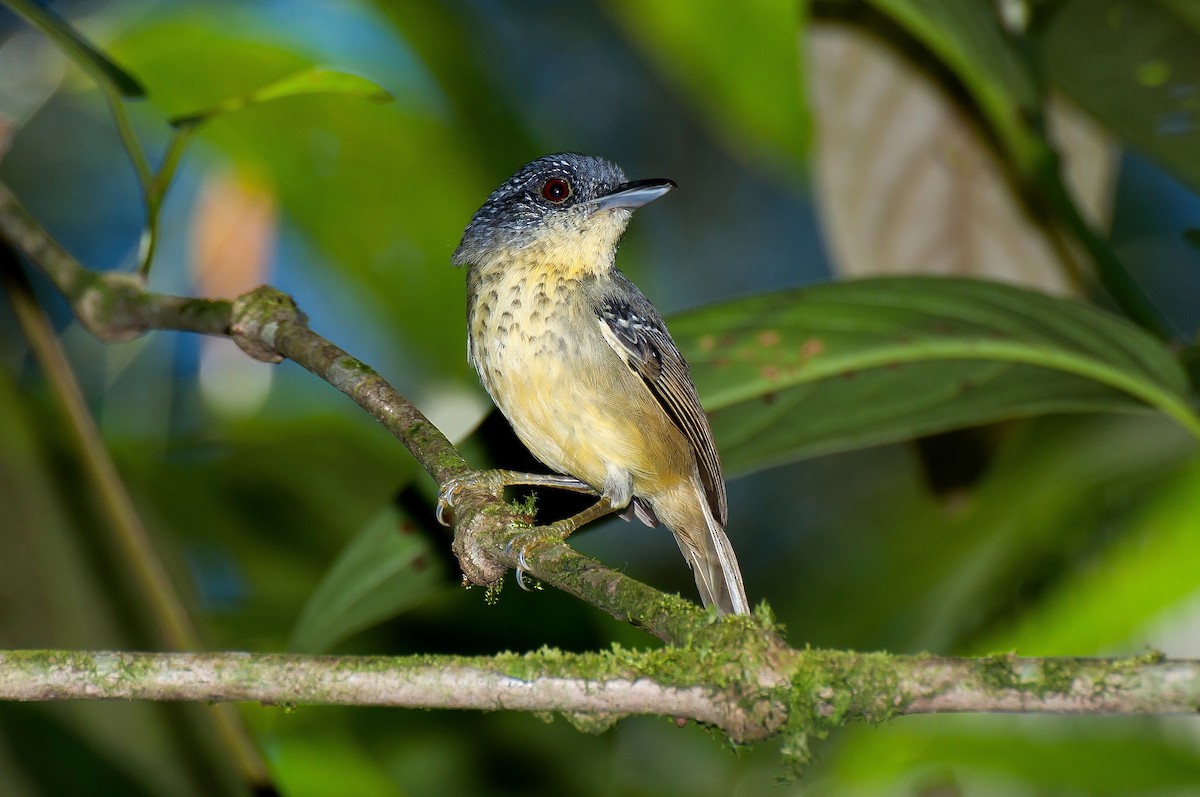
{"type": "Point", "coordinates": [811, 142]}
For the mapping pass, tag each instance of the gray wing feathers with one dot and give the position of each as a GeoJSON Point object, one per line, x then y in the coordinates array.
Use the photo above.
{"type": "Point", "coordinates": [634, 328]}
{"type": "Point", "coordinates": [649, 350]}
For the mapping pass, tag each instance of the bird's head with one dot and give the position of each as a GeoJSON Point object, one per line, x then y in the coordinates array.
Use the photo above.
{"type": "Point", "coordinates": [566, 211]}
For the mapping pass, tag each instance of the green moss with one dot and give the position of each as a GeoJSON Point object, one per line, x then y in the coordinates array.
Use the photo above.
{"type": "Point", "coordinates": [491, 593]}
{"type": "Point", "coordinates": [1119, 669]}
{"type": "Point", "coordinates": [353, 365]}
{"type": "Point", "coordinates": [526, 507]}
{"type": "Point", "coordinates": [594, 724]}
{"type": "Point", "coordinates": [1049, 676]}
{"type": "Point", "coordinates": [1057, 677]}
{"type": "Point", "coordinates": [130, 671]}
{"type": "Point", "coordinates": [448, 460]}
{"type": "Point", "coordinates": [997, 671]}
{"type": "Point", "coordinates": [1151, 656]}
{"type": "Point", "coordinates": [825, 690]}
{"type": "Point", "coordinates": [829, 689]}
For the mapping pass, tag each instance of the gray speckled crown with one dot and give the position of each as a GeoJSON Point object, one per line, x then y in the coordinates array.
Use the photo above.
{"type": "Point", "coordinates": [517, 206]}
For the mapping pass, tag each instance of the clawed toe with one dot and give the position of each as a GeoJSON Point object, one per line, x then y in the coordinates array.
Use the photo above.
{"type": "Point", "coordinates": [522, 564]}
{"type": "Point", "coordinates": [445, 505]}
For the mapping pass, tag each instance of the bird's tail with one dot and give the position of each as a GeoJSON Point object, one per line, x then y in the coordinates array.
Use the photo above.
{"type": "Point", "coordinates": [713, 563]}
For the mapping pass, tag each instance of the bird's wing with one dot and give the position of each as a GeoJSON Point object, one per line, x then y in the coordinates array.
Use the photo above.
{"type": "Point", "coordinates": [636, 332]}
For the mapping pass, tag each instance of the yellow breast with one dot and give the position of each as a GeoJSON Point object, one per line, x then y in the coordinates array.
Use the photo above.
{"type": "Point", "coordinates": [536, 342]}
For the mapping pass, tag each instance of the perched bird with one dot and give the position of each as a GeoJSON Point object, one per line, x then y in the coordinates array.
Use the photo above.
{"type": "Point", "coordinates": [582, 366]}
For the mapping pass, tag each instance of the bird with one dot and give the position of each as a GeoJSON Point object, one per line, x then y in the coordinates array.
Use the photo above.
{"type": "Point", "coordinates": [581, 363]}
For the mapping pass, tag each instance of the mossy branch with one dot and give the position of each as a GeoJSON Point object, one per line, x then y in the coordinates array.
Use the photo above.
{"type": "Point", "coordinates": [751, 690]}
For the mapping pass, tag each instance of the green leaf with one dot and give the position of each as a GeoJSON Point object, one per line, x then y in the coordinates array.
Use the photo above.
{"type": "Point", "coordinates": [316, 80]}
{"type": "Point", "coordinates": [382, 254]}
{"type": "Point", "coordinates": [737, 61]}
{"type": "Point", "coordinates": [1133, 66]}
{"type": "Point", "coordinates": [78, 49]}
{"type": "Point", "coordinates": [967, 37]}
{"type": "Point", "coordinates": [386, 569]}
{"type": "Point", "coordinates": [852, 364]}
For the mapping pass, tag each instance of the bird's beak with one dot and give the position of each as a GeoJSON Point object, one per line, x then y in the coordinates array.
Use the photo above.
{"type": "Point", "coordinates": [633, 195]}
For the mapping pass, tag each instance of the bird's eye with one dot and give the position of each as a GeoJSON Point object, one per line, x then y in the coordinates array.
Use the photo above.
{"type": "Point", "coordinates": [556, 190]}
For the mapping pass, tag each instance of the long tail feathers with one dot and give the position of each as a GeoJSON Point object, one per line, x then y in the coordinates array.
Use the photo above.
{"type": "Point", "coordinates": [715, 566]}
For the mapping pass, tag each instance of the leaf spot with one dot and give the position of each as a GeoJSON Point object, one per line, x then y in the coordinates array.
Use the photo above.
{"type": "Point", "coordinates": [812, 347]}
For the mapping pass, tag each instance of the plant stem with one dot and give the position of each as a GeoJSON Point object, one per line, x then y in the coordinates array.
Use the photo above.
{"type": "Point", "coordinates": [135, 551]}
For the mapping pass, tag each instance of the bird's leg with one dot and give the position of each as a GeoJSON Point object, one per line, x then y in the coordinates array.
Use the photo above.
{"type": "Point", "coordinates": [494, 481]}
{"type": "Point", "coordinates": [567, 526]}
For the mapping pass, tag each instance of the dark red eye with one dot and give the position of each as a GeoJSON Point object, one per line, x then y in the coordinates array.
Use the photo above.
{"type": "Point", "coordinates": [556, 189]}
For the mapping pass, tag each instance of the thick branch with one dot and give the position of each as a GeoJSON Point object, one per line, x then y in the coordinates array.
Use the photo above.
{"type": "Point", "coordinates": [802, 693]}
{"type": "Point", "coordinates": [420, 682]}
{"type": "Point", "coordinates": [1148, 684]}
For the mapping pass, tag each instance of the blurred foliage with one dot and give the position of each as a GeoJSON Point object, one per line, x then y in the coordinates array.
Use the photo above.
{"type": "Point", "coordinates": [738, 63]}
{"type": "Point", "coordinates": [1145, 89]}
{"type": "Point", "coordinates": [1053, 513]}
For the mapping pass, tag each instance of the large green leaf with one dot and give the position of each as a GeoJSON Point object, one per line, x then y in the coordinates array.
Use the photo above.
{"type": "Point", "coordinates": [1054, 492]}
{"type": "Point", "coordinates": [384, 570]}
{"type": "Point", "coordinates": [846, 365]}
{"type": "Point", "coordinates": [1134, 66]}
{"type": "Point", "coordinates": [329, 760]}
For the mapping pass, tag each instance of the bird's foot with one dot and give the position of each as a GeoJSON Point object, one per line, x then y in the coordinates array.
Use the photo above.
{"type": "Point", "coordinates": [453, 489]}
{"type": "Point", "coordinates": [553, 532]}
{"type": "Point", "coordinates": [493, 482]}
